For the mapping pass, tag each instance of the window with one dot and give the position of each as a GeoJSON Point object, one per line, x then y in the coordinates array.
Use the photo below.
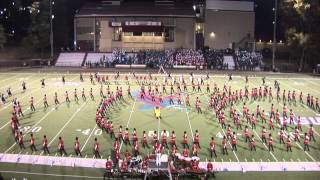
{"type": "Point", "coordinates": [117, 31]}
{"type": "Point", "coordinates": [169, 34]}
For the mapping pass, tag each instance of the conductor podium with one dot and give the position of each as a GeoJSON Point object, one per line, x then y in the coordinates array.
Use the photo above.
{"type": "Point", "coordinates": [158, 166]}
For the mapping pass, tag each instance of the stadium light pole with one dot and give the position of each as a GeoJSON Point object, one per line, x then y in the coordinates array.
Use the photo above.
{"type": "Point", "coordinates": [51, 29]}
{"type": "Point", "coordinates": [274, 33]}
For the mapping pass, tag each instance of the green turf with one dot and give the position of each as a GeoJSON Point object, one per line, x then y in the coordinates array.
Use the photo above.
{"type": "Point", "coordinates": [71, 120]}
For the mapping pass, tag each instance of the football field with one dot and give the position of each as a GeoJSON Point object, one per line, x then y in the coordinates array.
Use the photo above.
{"type": "Point", "coordinates": [77, 119]}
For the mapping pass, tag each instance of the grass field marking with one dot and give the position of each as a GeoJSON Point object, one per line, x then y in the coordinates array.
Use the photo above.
{"type": "Point", "coordinates": [311, 82]}
{"type": "Point", "coordinates": [129, 119]}
{"type": "Point", "coordinates": [15, 81]}
{"type": "Point", "coordinates": [65, 125]}
{"type": "Point", "coordinates": [53, 175]}
{"type": "Point", "coordinates": [36, 103]}
{"type": "Point", "coordinates": [234, 153]}
{"type": "Point", "coordinates": [296, 142]}
{"type": "Point", "coordinates": [27, 94]}
{"type": "Point", "coordinates": [316, 92]}
{"type": "Point", "coordinates": [306, 152]}
{"type": "Point", "coordinates": [6, 79]}
{"type": "Point", "coordinates": [43, 117]}
{"type": "Point", "coordinates": [301, 148]}
{"type": "Point", "coordinates": [87, 140]}
{"type": "Point", "coordinates": [297, 90]}
{"type": "Point", "coordinates": [188, 118]}
{"type": "Point", "coordinates": [274, 157]}
{"type": "Point", "coordinates": [10, 84]}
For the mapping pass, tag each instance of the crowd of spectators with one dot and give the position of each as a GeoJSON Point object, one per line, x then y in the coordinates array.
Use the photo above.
{"type": "Point", "coordinates": [247, 60]}
{"type": "Point", "coordinates": [208, 58]}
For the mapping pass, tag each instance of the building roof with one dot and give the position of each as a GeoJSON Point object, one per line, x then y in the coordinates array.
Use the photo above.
{"type": "Point", "coordinates": [136, 9]}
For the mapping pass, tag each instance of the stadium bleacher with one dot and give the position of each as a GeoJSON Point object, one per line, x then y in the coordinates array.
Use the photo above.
{"type": "Point", "coordinates": [170, 58]}
{"type": "Point", "coordinates": [70, 59]}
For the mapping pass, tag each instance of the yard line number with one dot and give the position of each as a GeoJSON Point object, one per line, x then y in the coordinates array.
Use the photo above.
{"type": "Point", "coordinates": [87, 132]}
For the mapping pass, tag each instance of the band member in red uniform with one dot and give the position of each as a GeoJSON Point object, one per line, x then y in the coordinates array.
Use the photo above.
{"type": "Point", "coordinates": [77, 147]}
{"type": "Point", "coordinates": [173, 150]}
{"type": "Point", "coordinates": [173, 138]}
{"type": "Point", "coordinates": [264, 135]}
{"type": "Point", "coordinates": [281, 136]}
{"type": "Point", "coordinates": [196, 139]}
{"type": "Point", "coordinates": [126, 137]}
{"type": "Point", "coordinates": [194, 150]}
{"type": "Point", "coordinates": [185, 152]}
{"type": "Point", "coordinates": [296, 134]}
{"type": "Point", "coordinates": [306, 142]}
{"type": "Point", "coordinates": [213, 147]}
{"type": "Point", "coordinates": [289, 144]}
{"type": "Point", "coordinates": [124, 166]}
{"type": "Point", "coordinates": [19, 110]}
{"type": "Point", "coordinates": [164, 139]}
{"type": "Point", "coordinates": [246, 134]}
{"type": "Point", "coordinates": [252, 143]}
{"type": "Point", "coordinates": [116, 145]}
{"type": "Point", "coordinates": [67, 97]}
{"type": "Point", "coordinates": [271, 126]}
{"type": "Point", "coordinates": [61, 147]}
{"type": "Point", "coordinates": [229, 132]}
{"type": "Point", "coordinates": [20, 140]}
{"type": "Point", "coordinates": [270, 143]}
{"type": "Point", "coordinates": [32, 108]}
{"type": "Point", "coordinates": [224, 146]}
{"type": "Point", "coordinates": [234, 142]}
{"type": "Point", "coordinates": [32, 143]}
{"type": "Point", "coordinates": [210, 171]}
{"type": "Point", "coordinates": [136, 148]}
{"type": "Point", "coordinates": [311, 133]}
{"type": "Point", "coordinates": [109, 164]}
{"type": "Point", "coordinates": [96, 148]}
{"type": "Point", "coordinates": [45, 101]}
{"type": "Point", "coordinates": [45, 145]}
{"type": "Point", "coordinates": [185, 140]}
{"type": "Point", "coordinates": [134, 136]}
{"type": "Point", "coordinates": [56, 101]}
{"type": "Point", "coordinates": [155, 138]}
{"type": "Point", "coordinates": [144, 140]}
{"type": "Point", "coordinates": [291, 117]}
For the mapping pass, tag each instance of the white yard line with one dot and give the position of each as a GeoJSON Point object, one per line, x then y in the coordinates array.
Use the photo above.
{"type": "Point", "coordinates": [130, 116]}
{"type": "Point", "coordinates": [27, 94]}
{"type": "Point", "coordinates": [65, 125]}
{"type": "Point", "coordinates": [297, 90]}
{"type": "Point", "coordinates": [234, 153]}
{"type": "Point", "coordinates": [271, 153]}
{"type": "Point", "coordinates": [87, 140]}
{"type": "Point", "coordinates": [43, 117]}
{"type": "Point", "coordinates": [296, 142]}
{"type": "Point", "coordinates": [187, 112]}
{"type": "Point", "coordinates": [302, 149]}
{"type": "Point", "coordinates": [36, 103]}
{"type": "Point", "coordinates": [15, 82]}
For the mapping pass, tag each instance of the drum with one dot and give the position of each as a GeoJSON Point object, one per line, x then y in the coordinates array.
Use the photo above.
{"type": "Point", "coordinates": [181, 158]}
{"type": "Point", "coordinates": [164, 158]}
{"type": "Point", "coordinates": [195, 158]}
{"type": "Point", "coordinates": [134, 162]}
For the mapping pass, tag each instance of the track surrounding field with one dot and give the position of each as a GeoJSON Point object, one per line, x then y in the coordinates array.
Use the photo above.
{"type": "Point", "coordinates": [69, 120]}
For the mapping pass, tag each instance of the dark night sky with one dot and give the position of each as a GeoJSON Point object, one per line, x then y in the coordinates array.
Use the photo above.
{"type": "Point", "coordinates": [65, 9]}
